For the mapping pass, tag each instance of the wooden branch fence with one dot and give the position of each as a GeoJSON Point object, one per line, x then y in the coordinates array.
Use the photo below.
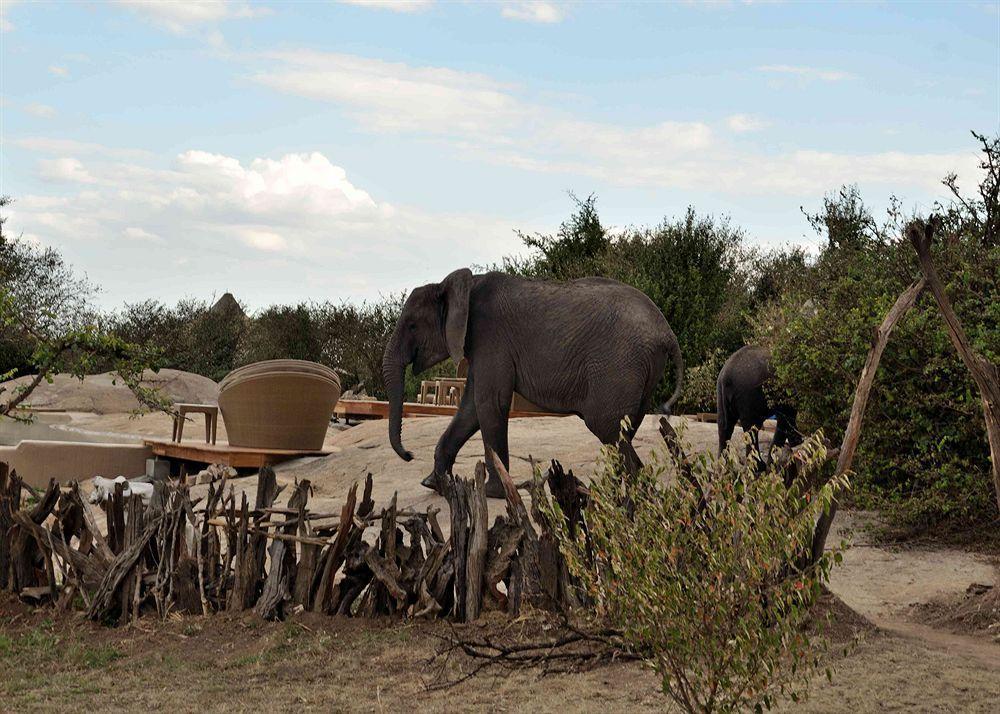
{"type": "Point", "coordinates": [203, 555]}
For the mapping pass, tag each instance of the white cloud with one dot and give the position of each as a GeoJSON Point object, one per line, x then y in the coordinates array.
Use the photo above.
{"type": "Point", "coordinates": [744, 123]}
{"type": "Point", "coordinates": [807, 74]}
{"type": "Point", "coordinates": [263, 240]}
{"type": "Point", "coordinates": [290, 227]}
{"type": "Point", "coordinates": [58, 70]}
{"type": "Point", "coordinates": [293, 184]}
{"type": "Point", "coordinates": [482, 118]}
{"type": "Point", "coordinates": [392, 5]}
{"type": "Point", "coordinates": [473, 110]}
{"type": "Point", "coordinates": [136, 233]}
{"type": "Point", "coordinates": [532, 11]}
{"type": "Point", "coordinates": [180, 16]}
{"type": "Point", "coordinates": [392, 96]}
{"type": "Point", "coordinates": [42, 111]}
{"type": "Point", "coordinates": [51, 145]}
{"type": "Point", "coordinates": [64, 169]}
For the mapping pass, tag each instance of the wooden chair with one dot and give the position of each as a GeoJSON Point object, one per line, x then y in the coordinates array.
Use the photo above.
{"type": "Point", "coordinates": [211, 413]}
{"type": "Point", "coordinates": [450, 391]}
{"type": "Point", "coordinates": [428, 392]}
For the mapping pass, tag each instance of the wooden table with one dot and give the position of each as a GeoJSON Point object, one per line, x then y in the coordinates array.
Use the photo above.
{"type": "Point", "coordinates": [235, 456]}
{"type": "Point", "coordinates": [211, 413]}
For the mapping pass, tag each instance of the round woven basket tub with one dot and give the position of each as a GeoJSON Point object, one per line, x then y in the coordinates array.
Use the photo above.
{"type": "Point", "coordinates": [279, 404]}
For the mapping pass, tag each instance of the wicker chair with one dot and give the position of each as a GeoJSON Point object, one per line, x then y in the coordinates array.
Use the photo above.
{"type": "Point", "coordinates": [279, 404]}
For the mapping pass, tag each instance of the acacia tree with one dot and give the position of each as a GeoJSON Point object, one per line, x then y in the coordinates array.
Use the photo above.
{"type": "Point", "coordinates": [48, 323]}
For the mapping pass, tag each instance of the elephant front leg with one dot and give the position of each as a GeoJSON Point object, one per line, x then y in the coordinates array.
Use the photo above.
{"type": "Point", "coordinates": [462, 427]}
{"type": "Point", "coordinates": [493, 407]}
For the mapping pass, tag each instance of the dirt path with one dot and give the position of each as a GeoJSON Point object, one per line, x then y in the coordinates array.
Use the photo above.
{"type": "Point", "coordinates": [885, 583]}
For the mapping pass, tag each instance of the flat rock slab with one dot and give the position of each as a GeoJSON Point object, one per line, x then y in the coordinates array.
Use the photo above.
{"type": "Point", "coordinates": [107, 394]}
{"type": "Point", "coordinates": [365, 448]}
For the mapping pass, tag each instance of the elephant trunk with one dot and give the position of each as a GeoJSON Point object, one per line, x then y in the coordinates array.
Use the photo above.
{"type": "Point", "coordinates": [674, 348]}
{"type": "Point", "coordinates": [393, 368]}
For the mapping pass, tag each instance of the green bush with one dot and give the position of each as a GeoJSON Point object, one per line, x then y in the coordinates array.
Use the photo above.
{"type": "Point", "coordinates": [212, 340]}
{"type": "Point", "coordinates": [696, 269]}
{"type": "Point", "coordinates": [699, 385]}
{"type": "Point", "coordinates": [194, 336]}
{"type": "Point", "coordinates": [923, 454]}
{"type": "Point", "coordinates": [702, 580]}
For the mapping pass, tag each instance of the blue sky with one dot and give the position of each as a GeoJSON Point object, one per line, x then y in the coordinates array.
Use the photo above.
{"type": "Point", "coordinates": [291, 151]}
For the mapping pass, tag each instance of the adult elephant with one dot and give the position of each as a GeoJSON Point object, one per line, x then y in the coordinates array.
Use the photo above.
{"type": "Point", "coordinates": [741, 398]}
{"type": "Point", "coordinates": [592, 347]}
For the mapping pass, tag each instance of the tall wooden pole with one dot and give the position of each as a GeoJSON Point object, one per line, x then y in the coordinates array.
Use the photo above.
{"type": "Point", "coordinates": [846, 456]}
{"type": "Point", "coordinates": [985, 374]}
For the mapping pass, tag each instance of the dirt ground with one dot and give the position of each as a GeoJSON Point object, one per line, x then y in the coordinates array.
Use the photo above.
{"type": "Point", "coordinates": [317, 663]}
{"type": "Point", "coordinates": [918, 659]}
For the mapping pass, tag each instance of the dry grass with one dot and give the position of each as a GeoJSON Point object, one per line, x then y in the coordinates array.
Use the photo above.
{"type": "Point", "coordinates": [316, 663]}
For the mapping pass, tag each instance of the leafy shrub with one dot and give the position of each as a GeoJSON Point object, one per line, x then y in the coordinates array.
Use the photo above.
{"type": "Point", "coordinates": [357, 336]}
{"type": "Point", "coordinates": [699, 385]}
{"type": "Point", "coordinates": [349, 338]}
{"type": "Point", "coordinates": [287, 332]}
{"type": "Point", "coordinates": [212, 340]}
{"type": "Point", "coordinates": [923, 454]}
{"type": "Point", "coordinates": [702, 579]}
{"type": "Point", "coordinates": [194, 336]}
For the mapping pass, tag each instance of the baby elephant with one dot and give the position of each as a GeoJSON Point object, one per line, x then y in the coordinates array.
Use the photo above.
{"type": "Point", "coordinates": [740, 397]}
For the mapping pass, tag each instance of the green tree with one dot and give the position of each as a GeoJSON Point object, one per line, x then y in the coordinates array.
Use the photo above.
{"type": "Point", "coordinates": [193, 336]}
{"type": "Point", "coordinates": [575, 251]}
{"type": "Point", "coordinates": [285, 332]}
{"type": "Point", "coordinates": [693, 268]}
{"type": "Point", "coordinates": [696, 269]}
{"type": "Point", "coordinates": [45, 310]}
{"type": "Point", "coordinates": [923, 455]}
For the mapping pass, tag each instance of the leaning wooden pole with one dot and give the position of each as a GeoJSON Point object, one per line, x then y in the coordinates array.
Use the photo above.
{"type": "Point", "coordinates": [985, 374]}
{"type": "Point", "coordinates": [846, 456]}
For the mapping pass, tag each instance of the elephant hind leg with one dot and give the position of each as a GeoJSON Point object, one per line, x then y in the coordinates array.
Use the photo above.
{"type": "Point", "coordinates": [726, 414]}
{"type": "Point", "coordinates": [787, 431]}
{"type": "Point", "coordinates": [726, 423]}
{"type": "Point", "coordinates": [607, 426]}
{"type": "Point", "coordinates": [751, 407]}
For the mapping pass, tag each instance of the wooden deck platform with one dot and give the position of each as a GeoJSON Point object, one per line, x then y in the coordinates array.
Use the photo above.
{"type": "Point", "coordinates": [236, 456]}
{"type": "Point", "coordinates": [370, 409]}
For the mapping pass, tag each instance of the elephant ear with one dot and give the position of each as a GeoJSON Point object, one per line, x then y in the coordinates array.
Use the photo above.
{"type": "Point", "coordinates": [455, 292]}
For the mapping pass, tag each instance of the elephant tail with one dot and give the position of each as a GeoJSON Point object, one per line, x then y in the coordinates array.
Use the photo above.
{"type": "Point", "coordinates": [674, 348]}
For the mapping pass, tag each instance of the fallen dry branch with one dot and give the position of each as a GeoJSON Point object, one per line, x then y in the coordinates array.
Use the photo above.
{"type": "Point", "coordinates": [570, 650]}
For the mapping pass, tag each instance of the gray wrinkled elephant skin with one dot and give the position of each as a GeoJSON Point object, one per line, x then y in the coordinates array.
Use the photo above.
{"type": "Point", "coordinates": [592, 347]}
{"type": "Point", "coordinates": [741, 398]}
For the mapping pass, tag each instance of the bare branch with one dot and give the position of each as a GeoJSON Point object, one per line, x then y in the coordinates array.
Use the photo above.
{"type": "Point", "coordinates": [846, 456]}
